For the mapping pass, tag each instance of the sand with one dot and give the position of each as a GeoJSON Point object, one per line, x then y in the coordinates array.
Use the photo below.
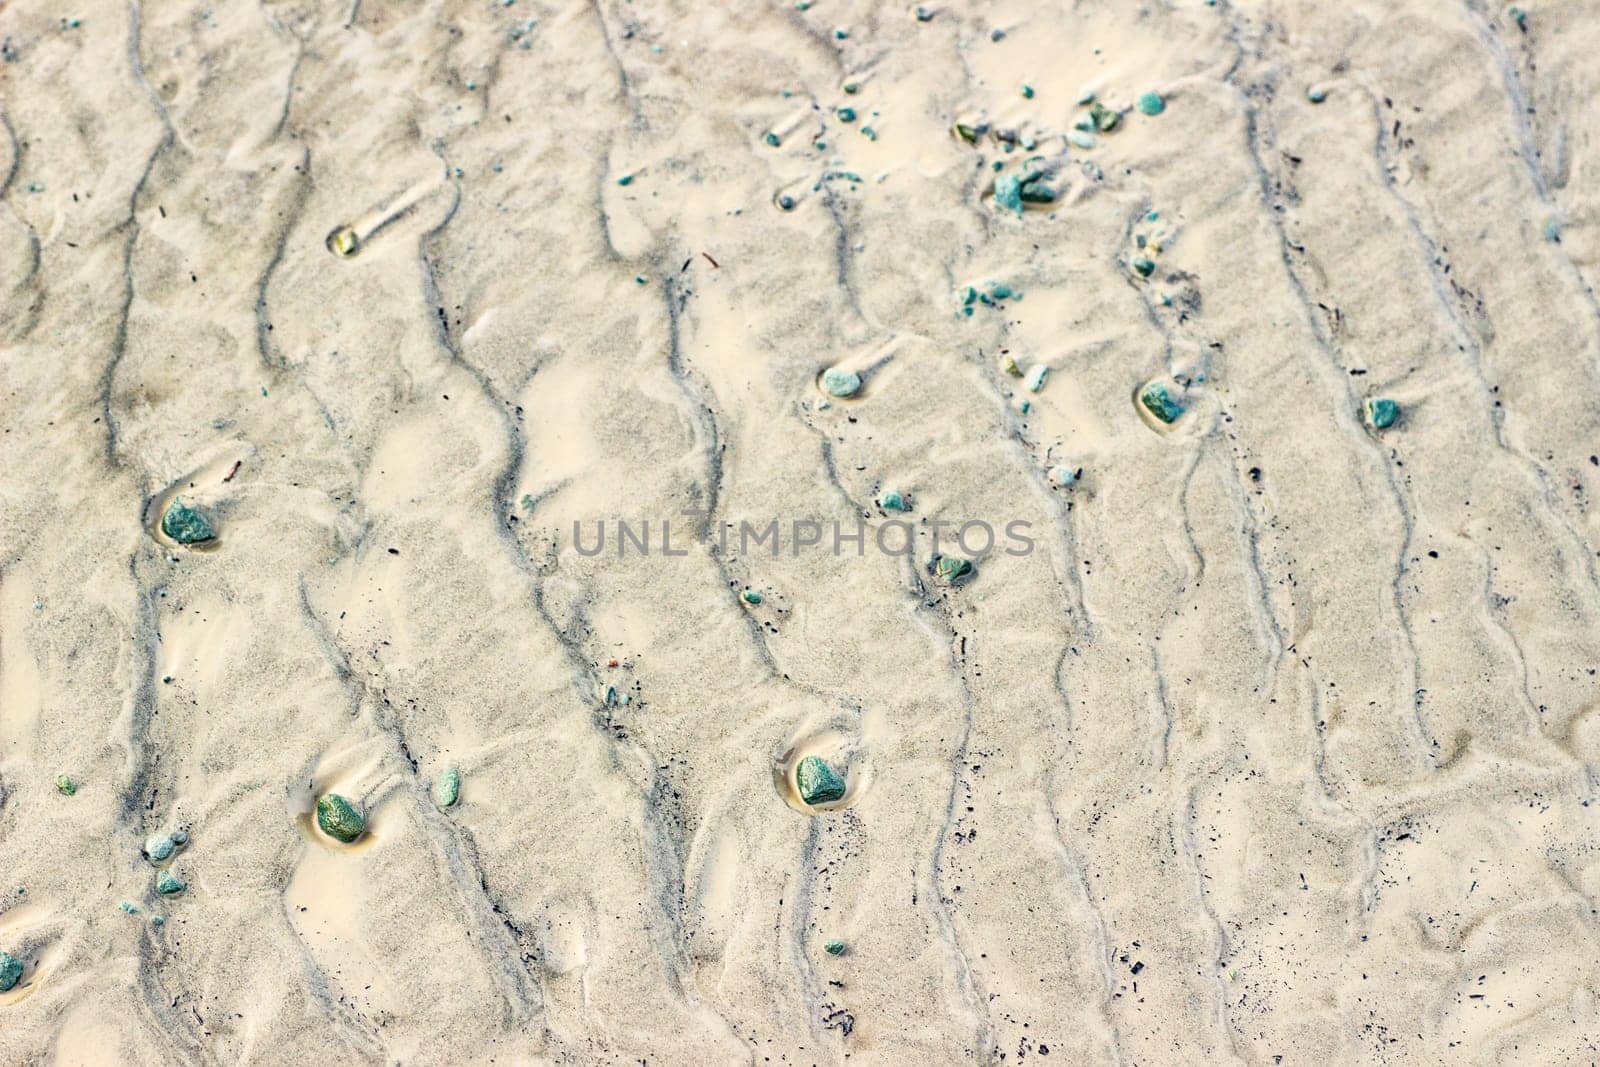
{"type": "Point", "coordinates": [1278, 745]}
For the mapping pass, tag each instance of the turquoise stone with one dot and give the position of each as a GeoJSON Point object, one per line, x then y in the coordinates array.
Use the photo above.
{"type": "Point", "coordinates": [448, 789]}
{"type": "Point", "coordinates": [10, 971]}
{"type": "Point", "coordinates": [841, 383]}
{"type": "Point", "coordinates": [1159, 403]}
{"type": "Point", "coordinates": [339, 819]}
{"type": "Point", "coordinates": [1383, 412]}
{"type": "Point", "coordinates": [185, 525]}
{"type": "Point", "coordinates": [818, 784]}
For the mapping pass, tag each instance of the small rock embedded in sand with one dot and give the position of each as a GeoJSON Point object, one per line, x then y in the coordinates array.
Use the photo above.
{"type": "Point", "coordinates": [1151, 104]}
{"type": "Point", "coordinates": [834, 948]}
{"type": "Point", "coordinates": [65, 785]}
{"type": "Point", "coordinates": [1104, 119]}
{"type": "Point", "coordinates": [1064, 476]}
{"type": "Point", "coordinates": [1144, 266]}
{"type": "Point", "coordinates": [339, 819]}
{"type": "Point", "coordinates": [1316, 95]}
{"type": "Point", "coordinates": [10, 971]}
{"type": "Point", "coordinates": [750, 596]}
{"type": "Point", "coordinates": [156, 920]}
{"type": "Point", "coordinates": [773, 140]}
{"type": "Point", "coordinates": [169, 884]}
{"type": "Point", "coordinates": [1008, 192]}
{"type": "Point", "coordinates": [158, 848]}
{"type": "Point", "coordinates": [448, 788]}
{"type": "Point", "coordinates": [185, 525]}
{"type": "Point", "coordinates": [1159, 403]}
{"type": "Point", "coordinates": [1036, 376]}
{"type": "Point", "coordinates": [846, 114]}
{"type": "Point", "coordinates": [1080, 139]}
{"type": "Point", "coordinates": [841, 383]}
{"type": "Point", "coordinates": [1383, 413]}
{"type": "Point", "coordinates": [1008, 363]}
{"type": "Point", "coordinates": [893, 500]}
{"type": "Point", "coordinates": [952, 569]}
{"type": "Point", "coordinates": [129, 908]}
{"type": "Point", "coordinates": [1037, 192]}
{"type": "Point", "coordinates": [817, 781]}
{"type": "Point", "coordinates": [343, 242]}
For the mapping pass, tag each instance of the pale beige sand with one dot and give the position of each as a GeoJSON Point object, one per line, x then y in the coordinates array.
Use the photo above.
{"type": "Point", "coordinates": [1280, 747]}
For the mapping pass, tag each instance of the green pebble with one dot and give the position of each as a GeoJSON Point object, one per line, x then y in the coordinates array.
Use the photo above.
{"type": "Point", "coordinates": [65, 785]}
{"type": "Point", "coordinates": [1552, 230]}
{"type": "Point", "coordinates": [869, 133]}
{"type": "Point", "coordinates": [1036, 192]}
{"type": "Point", "coordinates": [168, 884]}
{"type": "Point", "coordinates": [1383, 412]}
{"type": "Point", "coordinates": [10, 971]}
{"type": "Point", "coordinates": [626, 179]}
{"type": "Point", "coordinates": [750, 596]}
{"type": "Point", "coordinates": [852, 88]}
{"type": "Point", "coordinates": [1316, 96]}
{"type": "Point", "coordinates": [339, 819]}
{"type": "Point", "coordinates": [968, 295]}
{"type": "Point", "coordinates": [1105, 120]}
{"type": "Point", "coordinates": [185, 525]}
{"type": "Point", "coordinates": [1027, 92]}
{"type": "Point", "coordinates": [818, 782]}
{"type": "Point", "coordinates": [952, 569]}
{"type": "Point", "coordinates": [841, 383]}
{"type": "Point", "coordinates": [344, 242]}
{"type": "Point", "coordinates": [847, 114]}
{"type": "Point", "coordinates": [128, 909]}
{"type": "Point", "coordinates": [1151, 104]}
{"type": "Point", "coordinates": [1080, 139]}
{"type": "Point", "coordinates": [999, 291]}
{"type": "Point", "coordinates": [156, 920]}
{"type": "Point", "coordinates": [834, 948]}
{"type": "Point", "coordinates": [966, 133]}
{"type": "Point", "coordinates": [893, 500]}
{"type": "Point", "coordinates": [841, 33]}
{"type": "Point", "coordinates": [159, 848]}
{"type": "Point", "coordinates": [1157, 402]}
{"type": "Point", "coordinates": [1144, 266]}
{"type": "Point", "coordinates": [1008, 192]}
{"type": "Point", "coordinates": [447, 790]}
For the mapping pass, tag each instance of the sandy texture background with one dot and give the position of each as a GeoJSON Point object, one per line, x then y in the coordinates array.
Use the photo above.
{"type": "Point", "coordinates": [1281, 746]}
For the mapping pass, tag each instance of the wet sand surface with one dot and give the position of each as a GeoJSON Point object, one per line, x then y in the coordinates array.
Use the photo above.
{"type": "Point", "coordinates": [1279, 746]}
